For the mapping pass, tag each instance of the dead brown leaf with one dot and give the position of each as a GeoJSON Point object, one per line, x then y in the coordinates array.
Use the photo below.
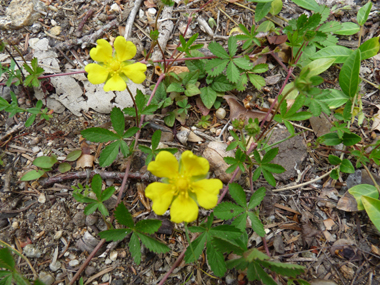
{"type": "Point", "coordinates": [237, 111]}
{"type": "Point", "coordinates": [202, 107]}
{"type": "Point", "coordinates": [347, 203]}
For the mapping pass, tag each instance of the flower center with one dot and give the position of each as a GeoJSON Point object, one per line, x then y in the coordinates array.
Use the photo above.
{"type": "Point", "coordinates": [114, 65]}
{"type": "Point", "coordinates": [182, 183]}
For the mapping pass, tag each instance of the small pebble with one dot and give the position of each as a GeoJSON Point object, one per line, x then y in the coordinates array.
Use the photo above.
{"type": "Point", "coordinates": [106, 277]}
{"type": "Point", "coordinates": [108, 261]}
{"type": "Point", "coordinates": [79, 219]}
{"type": "Point", "coordinates": [73, 263]}
{"type": "Point", "coordinates": [53, 22]}
{"type": "Point", "coordinates": [113, 255]}
{"type": "Point", "coordinates": [213, 130]}
{"type": "Point", "coordinates": [36, 149]}
{"type": "Point", "coordinates": [15, 225]}
{"type": "Point", "coordinates": [42, 198]}
{"type": "Point", "coordinates": [218, 132]}
{"type": "Point", "coordinates": [40, 154]}
{"type": "Point", "coordinates": [90, 270]}
{"type": "Point", "coordinates": [220, 113]}
{"type": "Point", "coordinates": [193, 128]}
{"type": "Point", "coordinates": [230, 128]}
{"type": "Point", "coordinates": [30, 250]}
{"type": "Point", "coordinates": [55, 266]}
{"type": "Point", "coordinates": [230, 139]}
{"type": "Point", "coordinates": [91, 220]}
{"type": "Point", "coordinates": [46, 278]}
{"type": "Point", "coordinates": [58, 235]}
{"type": "Point", "coordinates": [152, 11]}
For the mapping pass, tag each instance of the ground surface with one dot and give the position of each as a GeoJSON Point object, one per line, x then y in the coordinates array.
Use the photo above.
{"type": "Point", "coordinates": [304, 225]}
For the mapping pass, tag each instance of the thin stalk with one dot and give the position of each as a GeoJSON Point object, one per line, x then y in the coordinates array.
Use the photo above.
{"type": "Point", "coordinates": [19, 68]}
{"type": "Point", "coordinates": [134, 105]}
{"type": "Point", "coordinates": [372, 178]}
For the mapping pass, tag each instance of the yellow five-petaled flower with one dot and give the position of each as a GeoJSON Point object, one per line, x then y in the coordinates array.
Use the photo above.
{"type": "Point", "coordinates": [115, 69]}
{"type": "Point", "coordinates": [184, 186]}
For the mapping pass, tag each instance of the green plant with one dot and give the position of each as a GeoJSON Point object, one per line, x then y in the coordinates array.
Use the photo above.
{"type": "Point", "coordinates": [46, 163]}
{"type": "Point", "coordinates": [203, 122]}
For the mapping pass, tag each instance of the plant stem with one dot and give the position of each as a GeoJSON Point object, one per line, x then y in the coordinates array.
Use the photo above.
{"type": "Point", "coordinates": [372, 178]}
{"type": "Point", "coordinates": [134, 105]}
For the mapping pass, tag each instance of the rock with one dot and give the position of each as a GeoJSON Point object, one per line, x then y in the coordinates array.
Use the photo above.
{"type": "Point", "coordinates": [91, 220]}
{"type": "Point", "coordinates": [55, 31]}
{"type": "Point", "coordinates": [111, 202]}
{"type": "Point", "coordinates": [113, 255]}
{"type": "Point", "coordinates": [88, 243]}
{"type": "Point", "coordinates": [220, 113]}
{"type": "Point", "coordinates": [290, 152]}
{"type": "Point", "coordinates": [214, 153]}
{"type": "Point", "coordinates": [90, 270]}
{"type": "Point", "coordinates": [354, 179]}
{"type": "Point", "coordinates": [79, 219]}
{"type": "Point", "coordinates": [101, 225]}
{"type": "Point", "coordinates": [73, 262]}
{"type": "Point", "coordinates": [320, 125]}
{"type": "Point", "coordinates": [58, 235]}
{"type": "Point", "coordinates": [106, 277]}
{"type": "Point", "coordinates": [21, 13]}
{"type": "Point", "coordinates": [36, 28]}
{"type": "Point", "coordinates": [46, 278]}
{"type": "Point", "coordinates": [30, 250]}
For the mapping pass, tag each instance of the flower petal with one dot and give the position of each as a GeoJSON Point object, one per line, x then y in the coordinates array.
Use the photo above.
{"type": "Point", "coordinates": [135, 72]}
{"type": "Point", "coordinates": [193, 165]}
{"type": "Point", "coordinates": [184, 209]}
{"type": "Point", "coordinates": [124, 50]}
{"type": "Point", "coordinates": [207, 191]}
{"type": "Point", "coordinates": [165, 165]}
{"type": "Point", "coordinates": [115, 83]}
{"type": "Point", "coordinates": [102, 52]}
{"type": "Point", "coordinates": [96, 74]}
{"type": "Point", "coordinates": [161, 194]}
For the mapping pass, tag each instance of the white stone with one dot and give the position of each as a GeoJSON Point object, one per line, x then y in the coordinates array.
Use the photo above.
{"type": "Point", "coordinates": [36, 149]}
{"type": "Point", "coordinates": [73, 263]}
{"type": "Point", "coordinates": [152, 11]}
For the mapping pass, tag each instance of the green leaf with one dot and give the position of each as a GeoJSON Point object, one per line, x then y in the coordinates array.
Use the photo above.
{"type": "Point", "coordinates": [218, 50]}
{"type": "Point", "coordinates": [226, 232]}
{"type": "Point", "coordinates": [330, 139]}
{"type": "Point", "coordinates": [265, 27]}
{"type": "Point", "coordinates": [156, 137]}
{"type": "Point", "coordinates": [256, 81]}
{"type": "Point", "coordinates": [330, 27]}
{"type": "Point", "coordinates": [117, 120]}
{"type": "Point", "coordinates": [311, 5]}
{"type": "Point", "coordinates": [6, 259]}
{"type": "Point", "coordinates": [74, 155]}
{"type": "Point", "coordinates": [269, 177]}
{"type": "Point", "coordinates": [227, 210]}
{"type": "Point", "coordinates": [334, 98]}
{"type": "Point", "coordinates": [232, 72]}
{"type": "Point", "coordinates": [148, 226]}
{"type": "Point", "coordinates": [242, 63]}
{"type": "Point", "coordinates": [91, 208]}
{"type": "Point", "coordinates": [208, 96]}
{"type": "Point", "coordinates": [221, 84]}
{"type": "Point", "coordinates": [45, 161]}
{"type": "Point", "coordinates": [123, 216]}
{"type": "Point", "coordinates": [153, 244]}
{"type": "Point", "coordinates": [175, 87]}
{"type": "Point", "coordinates": [270, 155]}
{"type": "Point", "coordinates": [260, 68]}
{"type": "Point", "coordinates": [257, 197]}
{"type": "Point", "coordinates": [192, 253]}
{"type": "Point", "coordinates": [216, 66]}
{"type": "Point", "coordinates": [192, 90]}
{"type": "Point", "coordinates": [350, 139]}
{"type": "Point", "coordinates": [372, 207]}
{"type": "Point", "coordinates": [276, 7]}
{"type": "Point", "coordinates": [232, 45]}
{"type": "Point", "coordinates": [107, 193]}
{"type": "Point", "coordinates": [262, 9]}
{"type": "Point", "coordinates": [348, 29]}
{"type": "Point", "coordinates": [237, 193]}
{"type": "Point", "coordinates": [7, 280]}
{"type": "Point", "coordinates": [349, 74]}
{"type": "Point", "coordinates": [109, 154]}
{"type": "Point", "coordinates": [363, 13]}
{"type": "Point", "coordinates": [130, 132]}
{"type": "Point", "coordinates": [317, 66]}
{"type": "Point", "coordinates": [215, 259]}
{"type": "Point", "coordinates": [257, 225]}
{"type": "Point", "coordinates": [64, 167]}
{"type": "Point", "coordinates": [334, 160]}
{"type": "Point", "coordinates": [370, 48]}
{"type": "Point", "coordinates": [96, 185]}
{"type": "Point", "coordinates": [135, 248]}
{"type": "Point", "coordinates": [339, 53]}
{"type": "Point", "coordinates": [99, 135]}
{"type": "Point", "coordinates": [363, 190]}
{"type": "Point", "coordinates": [30, 120]}
{"type": "Point", "coordinates": [227, 246]}
{"type": "Point", "coordinates": [282, 268]}
{"type": "Point", "coordinates": [346, 166]}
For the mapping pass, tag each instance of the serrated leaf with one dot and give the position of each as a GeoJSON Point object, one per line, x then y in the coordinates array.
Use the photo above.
{"type": "Point", "coordinates": [99, 135]}
{"type": "Point", "coordinates": [330, 27]}
{"type": "Point", "coordinates": [232, 72]}
{"type": "Point", "coordinates": [257, 226]}
{"type": "Point", "coordinates": [216, 260]}
{"type": "Point", "coordinates": [226, 246]}
{"type": "Point", "coordinates": [232, 45]}
{"type": "Point", "coordinates": [148, 226]}
{"type": "Point", "coordinates": [237, 193]}
{"type": "Point", "coordinates": [221, 84]}
{"type": "Point", "coordinates": [117, 120]}
{"type": "Point", "coordinates": [287, 269]}
{"type": "Point", "coordinates": [107, 193]}
{"type": "Point", "coordinates": [216, 66]}
{"type": "Point", "coordinates": [153, 244]}
{"type": "Point", "coordinates": [256, 81]}
{"type": "Point", "coordinates": [6, 259]}
{"type": "Point", "coordinates": [114, 235]}
{"type": "Point", "coordinates": [269, 177]}
{"type": "Point", "coordinates": [334, 98]}
{"type": "Point", "coordinates": [242, 63]}
{"type": "Point", "coordinates": [260, 68]}
{"type": "Point", "coordinates": [192, 253]}
{"type": "Point", "coordinates": [130, 132]}
{"type": "Point", "coordinates": [175, 87]}
{"type": "Point", "coordinates": [226, 232]}
{"type": "Point", "coordinates": [257, 197]}
{"type": "Point", "coordinates": [270, 155]}
{"type": "Point", "coordinates": [91, 208]}
{"type": "Point", "coordinates": [109, 154]}
{"type": "Point", "coordinates": [135, 248]}
{"type": "Point", "coordinates": [255, 272]}
{"type": "Point", "coordinates": [218, 50]}
{"type": "Point", "coordinates": [227, 210]}
{"type": "Point", "coordinates": [123, 216]}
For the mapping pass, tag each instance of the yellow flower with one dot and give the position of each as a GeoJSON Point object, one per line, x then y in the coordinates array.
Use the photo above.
{"type": "Point", "coordinates": [184, 186]}
{"type": "Point", "coordinates": [115, 68]}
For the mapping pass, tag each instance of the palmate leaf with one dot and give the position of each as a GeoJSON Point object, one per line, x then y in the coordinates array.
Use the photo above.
{"type": "Point", "coordinates": [255, 272]}
{"type": "Point", "coordinates": [286, 269]}
{"type": "Point", "coordinates": [135, 248]}
{"type": "Point", "coordinates": [216, 66]}
{"type": "Point", "coordinates": [216, 261]}
{"type": "Point", "coordinates": [123, 216]}
{"type": "Point", "coordinates": [153, 244]}
{"type": "Point", "coordinates": [115, 235]}
{"type": "Point", "coordinates": [227, 210]}
{"type": "Point", "coordinates": [148, 226]}
{"type": "Point", "coordinates": [192, 253]}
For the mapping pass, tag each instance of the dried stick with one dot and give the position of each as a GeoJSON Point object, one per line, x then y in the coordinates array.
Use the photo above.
{"type": "Point", "coordinates": [81, 24]}
{"type": "Point", "coordinates": [81, 175]}
{"type": "Point", "coordinates": [131, 19]}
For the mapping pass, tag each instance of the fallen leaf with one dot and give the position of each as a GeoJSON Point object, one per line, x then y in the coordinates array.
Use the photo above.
{"type": "Point", "coordinates": [192, 137]}
{"type": "Point", "coordinates": [347, 203]}
{"type": "Point", "coordinates": [149, 4]}
{"type": "Point", "coordinates": [86, 160]}
{"type": "Point", "coordinates": [329, 223]}
{"type": "Point", "coordinates": [376, 120]}
{"type": "Point", "coordinates": [202, 107]}
{"type": "Point", "coordinates": [175, 69]}
{"type": "Point", "coordinates": [238, 111]}
{"type": "Point", "coordinates": [277, 40]}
